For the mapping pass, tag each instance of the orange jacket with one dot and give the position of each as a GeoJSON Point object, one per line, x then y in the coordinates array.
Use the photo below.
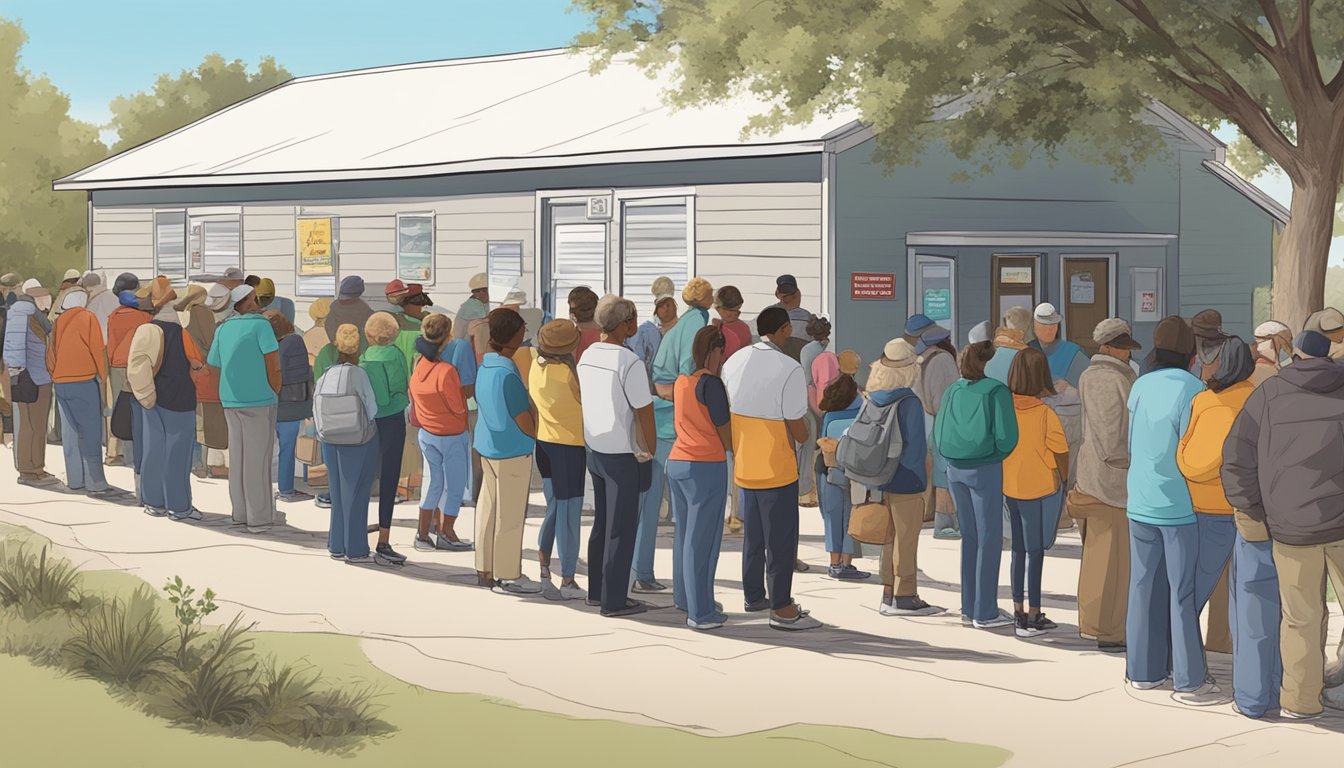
{"type": "Point", "coordinates": [436, 395]}
{"type": "Point", "coordinates": [121, 325]}
{"type": "Point", "coordinates": [1030, 471]}
{"type": "Point", "coordinates": [1200, 455]}
{"type": "Point", "coordinates": [76, 351]}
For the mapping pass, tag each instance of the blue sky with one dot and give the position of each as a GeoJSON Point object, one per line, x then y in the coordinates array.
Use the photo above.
{"type": "Point", "coordinates": [95, 50]}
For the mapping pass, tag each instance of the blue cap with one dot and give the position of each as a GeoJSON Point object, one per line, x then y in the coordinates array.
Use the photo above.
{"type": "Point", "coordinates": [127, 299]}
{"type": "Point", "coordinates": [916, 324]}
{"type": "Point", "coordinates": [931, 337]}
{"type": "Point", "coordinates": [352, 286]}
{"type": "Point", "coordinates": [1312, 344]}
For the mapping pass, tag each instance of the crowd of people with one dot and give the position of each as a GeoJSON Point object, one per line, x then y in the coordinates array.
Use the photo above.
{"type": "Point", "coordinates": [1203, 481]}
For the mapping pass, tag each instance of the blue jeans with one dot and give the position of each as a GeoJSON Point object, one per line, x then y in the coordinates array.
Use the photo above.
{"type": "Point", "coordinates": [166, 482]}
{"type": "Point", "coordinates": [1028, 559]}
{"type": "Point", "coordinates": [699, 490]}
{"type": "Point", "coordinates": [1162, 623]}
{"type": "Point", "coordinates": [81, 408]}
{"type": "Point", "coordinates": [978, 495]}
{"type": "Point", "coordinates": [835, 511]}
{"type": "Point", "coordinates": [1217, 535]}
{"type": "Point", "coordinates": [287, 436]}
{"type": "Point", "coordinates": [564, 468]}
{"type": "Point", "coordinates": [1257, 667]}
{"type": "Point", "coordinates": [449, 461]}
{"type": "Point", "coordinates": [646, 538]}
{"type": "Point", "coordinates": [350, 477]}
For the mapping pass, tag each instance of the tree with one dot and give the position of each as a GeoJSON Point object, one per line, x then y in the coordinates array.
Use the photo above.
{"type": "Point", "coordinates": [42, 233]}
{"type": "Point", "coordinates": [193, 94]}
{"type": "Point", "coordinates": [1027, 75]}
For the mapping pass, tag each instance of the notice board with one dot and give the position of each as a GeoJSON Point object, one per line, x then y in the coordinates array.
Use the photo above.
{"type": "Point", "coordinates": [867, 286]}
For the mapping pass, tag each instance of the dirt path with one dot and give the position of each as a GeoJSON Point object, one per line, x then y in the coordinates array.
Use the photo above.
{"type": "Point", "coordinates": [1054, 701]}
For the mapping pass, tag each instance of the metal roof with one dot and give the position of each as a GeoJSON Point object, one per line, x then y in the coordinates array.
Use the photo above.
{"type": "Point", "coordinates": [529, 110]}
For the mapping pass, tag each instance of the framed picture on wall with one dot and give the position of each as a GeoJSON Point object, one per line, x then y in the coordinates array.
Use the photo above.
{"type": "Point", "coordinates": [1148, 294]}
{"type": "Point", "coordinates": [415, 247]}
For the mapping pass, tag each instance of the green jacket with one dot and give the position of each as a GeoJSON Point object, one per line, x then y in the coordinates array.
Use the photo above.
{"type": "Point", "coordinates": [324, 360]}
{"type": "Point", "coordinates": [976, 424]}
{"type": "Point", "coordinates": [386, 367]}
{"type": "Point", "coordinates": [405, 341]}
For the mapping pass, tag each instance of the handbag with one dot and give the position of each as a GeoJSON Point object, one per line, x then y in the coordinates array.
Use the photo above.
{"type": "Point", "coordinates": [121, 417]}
{"type": "Point", "coordinates": [25, 389]}
{"type": "Point", "coordinates": [870, 521]}
{"type": "Point", "coordinates": [308, 451]}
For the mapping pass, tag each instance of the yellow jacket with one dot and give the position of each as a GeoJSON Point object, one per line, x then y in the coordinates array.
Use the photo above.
{"type": "Point", "coordinates": [1200, 455]}
{"type": "Point", "coordinates": [1030, 471]}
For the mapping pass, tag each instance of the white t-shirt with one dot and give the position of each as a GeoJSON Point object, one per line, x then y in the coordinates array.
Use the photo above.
{"type": "Point", "coordinates": [764, 383]}
{"type": "Point", "coordinates": [613, 384]}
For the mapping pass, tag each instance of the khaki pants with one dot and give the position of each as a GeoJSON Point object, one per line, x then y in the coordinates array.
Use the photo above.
{"type": "Point", "coordinates": [499, 516]}
{"type": "Point", "coordinates": [1219, 637]}
{"type": "Point", "coordinates": [1302, 572]}
{"type": "Point", "coordinates": [30, 433]}
{"type": "Point", "coordinates": [117, 380]}
{"type": "Point", "coordinates": [900, 557]}
{"type": "Point", "coordinates": [1103, 575]}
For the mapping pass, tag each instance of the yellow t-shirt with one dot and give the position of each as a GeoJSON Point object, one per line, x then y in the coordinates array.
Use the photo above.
{"type": "Point", "coordinates": [763, 455]}
{"type": "Point", "coordinates": [559, 414]}
{"type": "Point", "coordinates": [1029, 471]}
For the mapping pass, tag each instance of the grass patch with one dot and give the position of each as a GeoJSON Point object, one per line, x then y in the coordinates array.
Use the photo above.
{"type": "Point", "coordinates": [315, 698]}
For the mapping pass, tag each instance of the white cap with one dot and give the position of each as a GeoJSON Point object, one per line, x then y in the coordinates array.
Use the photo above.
{"type": "Point", "coordinates": [240, 293]}
{"type": "Point", "coordinates": [1046, 314]}
{"type": "Point", "coordinates": [478, 281]}
{"type": "Point", "coordinates": [1271, 328]}
{"type": "Point", "coordinates": [979, 333]}
{"type": "Point", "coordinates": [74, 298]}
{"type": "Point", "coordinates": [515, 297]}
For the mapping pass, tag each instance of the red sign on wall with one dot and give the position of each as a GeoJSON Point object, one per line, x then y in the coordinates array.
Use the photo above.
{"type": "Point", "coordinates": [872, 285]}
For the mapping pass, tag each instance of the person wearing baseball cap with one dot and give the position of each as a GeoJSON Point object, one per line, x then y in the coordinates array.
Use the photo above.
{"type": "Point", "coordinates": [69, 282]}
{"type": "Point", "coordinates": [268, 300]}
{"type": "Point", "coordinates": [791, 300]}
{"type": "Point", "coordinates": [647, 339]}
{"type": "Point", "coordinates": [1273, 349]}
{"type": "Point", "coordinates": [1163, 530]}
{"type": "Point", "coordinates": [9, 288]}
{"type": "Point", "coordinates": [1067, 359]}
{"type": "Point", "coordinates": [1099, 494]}
{"type": "Point", "coordinates": [476, 306]}
{"type": "Point", "coordinates": [1329, 322]}
{"type": "Point", "coordinates": [349, 308]}
{"type": "Point", "coordinates": [232, 278]}
{"type": "Point", "coordinates": [247, 355]}
{"type": "Point", "coordinates": [937, 371]}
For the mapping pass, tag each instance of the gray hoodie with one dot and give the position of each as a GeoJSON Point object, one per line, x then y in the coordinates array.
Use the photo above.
{"type": "Point", "coordinates": [1281, 462]}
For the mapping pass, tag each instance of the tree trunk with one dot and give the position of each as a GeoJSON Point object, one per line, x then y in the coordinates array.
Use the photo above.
{"type": "Point", "coordinates": [1304, 250]}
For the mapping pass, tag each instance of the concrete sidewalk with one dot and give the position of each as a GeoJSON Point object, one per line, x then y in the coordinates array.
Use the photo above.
{"type": "Point", "coordinates": [1051, 701]}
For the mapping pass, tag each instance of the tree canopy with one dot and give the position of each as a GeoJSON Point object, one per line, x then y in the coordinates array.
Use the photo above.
{"type": "Point", "coordinates": [193, 94]}
{"type": "Point", "coordinates": [1026, 76]}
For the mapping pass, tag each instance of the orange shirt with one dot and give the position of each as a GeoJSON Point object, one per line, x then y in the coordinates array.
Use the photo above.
{"type": "Point", "coordinates": [436, 392]}
{"type": "Point", "coordinates": [1029, 472]}
{"type": "Point", "coordinates": [121, 325]}
{"type": "Point", "coordinates": [76, 351]}
{"type": "Point", "coordinates": [1200, 455]}
{"type": "Point", "coordinates": [589, 334]}
{"type": "Point", "coordinates": [697, 436]}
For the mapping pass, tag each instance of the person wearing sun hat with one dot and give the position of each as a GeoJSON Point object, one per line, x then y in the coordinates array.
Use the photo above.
{"type": "Point", "coordinates": [554, 387]}
{"type": "Point", "coordinates": [349, 307]}
{"type": "Point", "coordinates": [158, 371]}
{"type": "Point", "coordinates": [1099, 495]}
{"type": "Point", "coordinates": [647, 339]}
{"type": "Point", "coordinates": [27, 337]}
{"type": "Point", "coordinates": [247, 355]}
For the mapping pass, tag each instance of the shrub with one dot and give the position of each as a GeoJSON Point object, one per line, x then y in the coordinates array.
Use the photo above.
{"type": "Point", "coordinates": [343, 712]}
{"type": "Point", "coordinates": [285, 697]}
{"type": "Point", "coordinates": [36, 583]}
{"type": "Point", "coordinates": [220, 687]}
{"type": "Point", "coordinates": [189, 615]}
{"type": "Point", "coordinates": [123, 643]}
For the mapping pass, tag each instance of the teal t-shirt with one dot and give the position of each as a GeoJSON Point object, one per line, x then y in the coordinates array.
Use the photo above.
{"type": "Point", "coordinates": [1159, 412]}
{"type": "Point", "coordinates": [674, 359]}
{"type": "Point", "coordinates": [239, 352]}
{"type": "Point", "coordinates": [500, 396]}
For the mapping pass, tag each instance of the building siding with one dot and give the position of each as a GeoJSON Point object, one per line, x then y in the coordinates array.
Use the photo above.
{"type": "Point", "coordinates": [122, 240]}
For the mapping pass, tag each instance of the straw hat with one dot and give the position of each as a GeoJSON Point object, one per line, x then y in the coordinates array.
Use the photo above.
{"type": "Point", "coordinates": [558, 337]}
{"type": "Point", "coordinates": [195, 296]}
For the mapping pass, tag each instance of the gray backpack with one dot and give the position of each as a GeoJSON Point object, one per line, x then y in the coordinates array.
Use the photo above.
{"type": "Point", "coordinates": [338, 411]}
{"type": "Point", "coordinates": [870, 450]}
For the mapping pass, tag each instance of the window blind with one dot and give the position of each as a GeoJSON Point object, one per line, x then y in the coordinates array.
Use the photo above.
{"type": "Point", "coordinates": [655, 243]}
{"type": "Point", "coordinates": [170, 245]}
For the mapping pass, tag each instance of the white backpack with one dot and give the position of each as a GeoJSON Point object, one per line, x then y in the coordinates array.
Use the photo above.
{"type": "Point", "coordinates": [338, 412]}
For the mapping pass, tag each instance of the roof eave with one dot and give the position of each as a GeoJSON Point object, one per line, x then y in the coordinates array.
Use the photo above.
{"type": "Point", "coordinates": [1248, 190]}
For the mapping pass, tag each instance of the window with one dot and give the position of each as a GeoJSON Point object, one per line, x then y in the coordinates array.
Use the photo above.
{"type": "Point", "coordinates": [415, 248]}
{"type": "Point", "coordinates": [575, 254]}
{"type": "Point", "coordinates": [504, 262]}
{"type": "Point", "coordinates": [655, 237]}
{"type": "Point", "coordinates": [215, 243]}
{"type": "Point", "coordinates": [170, 245]}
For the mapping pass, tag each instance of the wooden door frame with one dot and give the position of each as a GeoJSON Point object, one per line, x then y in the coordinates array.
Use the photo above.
{"type": "Point", "coordinates": [1112, 295]}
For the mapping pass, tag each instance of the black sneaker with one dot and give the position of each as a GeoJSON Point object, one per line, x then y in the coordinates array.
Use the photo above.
{"type": "Point", "coordinates": [760, 605]}
{"type": "Point", "coordinates": [1025, 625]}
{"type": "Point", "coordinates": [424, 544]}
{"type": "Point", "coordinates": [323, 501]}
{"type": "Point", "coordinates": [1043, 624]}
{"type": "Point", "coordinates": [386, 555]}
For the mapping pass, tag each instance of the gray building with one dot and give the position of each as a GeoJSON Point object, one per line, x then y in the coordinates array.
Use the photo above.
{"type": "Point", "coordinates": [546, 175]}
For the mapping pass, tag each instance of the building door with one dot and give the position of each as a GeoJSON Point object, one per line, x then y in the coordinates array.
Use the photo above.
{"type": "Point", "coordinates": [1016, 284]}
{"type": "Point", "coordinates": [1086, 285]}
{"type": "Point", "coordinates": [934, 289]}
{"type": "Point", "coordinates": [576, 254]}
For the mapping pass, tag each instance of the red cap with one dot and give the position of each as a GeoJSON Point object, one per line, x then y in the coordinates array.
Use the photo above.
{"type": "Point", "coordinates": [395, 289]}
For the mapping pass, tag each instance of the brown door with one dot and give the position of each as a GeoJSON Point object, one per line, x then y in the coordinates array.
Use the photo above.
{"type": "Point", "coordinates": [1086, 292]}
{"type": "Point", "coordinates": [1014, 284]}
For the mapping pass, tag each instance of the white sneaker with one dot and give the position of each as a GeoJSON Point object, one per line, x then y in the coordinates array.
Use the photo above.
{"type": "Point", "coordinates": [1139, 685]}
{"type": "Point", "coordinates": [191, 514]}
{"type": "Point", "coordinates": [572, 592]}
{"type": "Point", "coordinates": [1002, 620]}
{"type": "Point", "coordinates": [1205, 695]}
{"type": "Point", "coordinates": [155, 511]}
{"type": "Point", "coordinates": [708, 625]}
{"type": "Point", "coordinates": [519, 586]}
{"type": "Point", "coordinates": [797, 624]}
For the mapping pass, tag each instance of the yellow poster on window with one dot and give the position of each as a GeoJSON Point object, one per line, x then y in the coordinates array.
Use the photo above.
{"type": "Point", "coordinates": [315, 250]}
